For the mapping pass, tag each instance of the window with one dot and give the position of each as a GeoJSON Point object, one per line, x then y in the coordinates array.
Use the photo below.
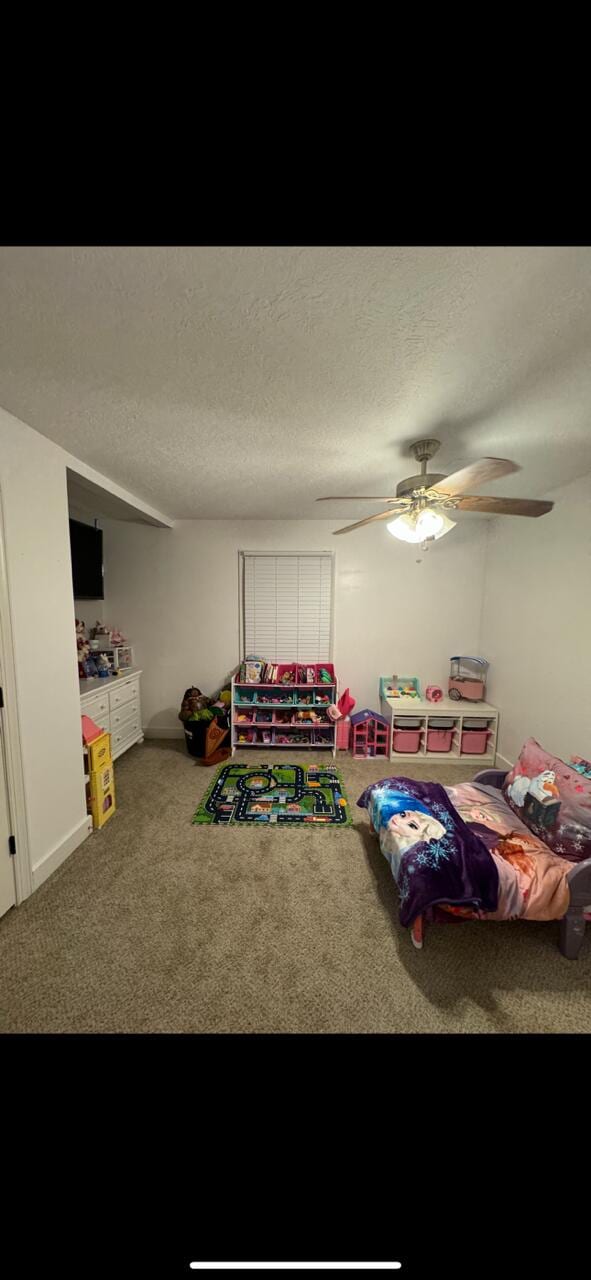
{"type": "Point", "coordinates": [287, 605]}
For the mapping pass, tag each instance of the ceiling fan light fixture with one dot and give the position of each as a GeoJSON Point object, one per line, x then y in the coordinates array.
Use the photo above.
{"type": "Point", "coordinates": [429, 523]}
{"type": "Point", "coordinates": [445, 526]}
{"type": "Point", "coordinates": [419, 526]}
{"type": "Point", "coordinates": [405, 528]}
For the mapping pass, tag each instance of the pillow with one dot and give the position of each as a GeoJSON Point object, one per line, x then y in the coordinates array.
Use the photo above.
{"type": "Point", "coordinates": [553, 800]}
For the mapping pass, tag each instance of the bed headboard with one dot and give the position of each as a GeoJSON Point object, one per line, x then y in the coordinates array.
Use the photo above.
{"type": "Point", "coordinates": [491, 777]}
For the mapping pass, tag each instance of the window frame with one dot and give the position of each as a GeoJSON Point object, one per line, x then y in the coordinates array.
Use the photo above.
{"type": "Point", "coordinates": [276, 554]}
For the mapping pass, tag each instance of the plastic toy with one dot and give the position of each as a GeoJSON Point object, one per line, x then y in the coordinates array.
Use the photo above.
{"type": "Point", "coordinates": [400, 687]}
{"type": "Point", "coordinates": [325, 676]}
{"type": "Point", "coordinates": [371, 735]}
{"type": "Point", "coordinates": [467, 679]}
{"type": "Point", "coordinates": [433, 693]}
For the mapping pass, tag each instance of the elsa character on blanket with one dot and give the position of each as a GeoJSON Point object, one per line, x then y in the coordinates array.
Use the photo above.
{"type": "Point", "coordinates": [402, 822]}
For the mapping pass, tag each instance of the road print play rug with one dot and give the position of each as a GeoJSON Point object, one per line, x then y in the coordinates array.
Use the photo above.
{"type": "Point", "coordinates": [277, 794]}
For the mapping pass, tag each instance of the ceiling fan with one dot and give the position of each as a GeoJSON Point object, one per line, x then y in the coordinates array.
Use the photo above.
{"type": "Point", "coordinates": [417, 512]}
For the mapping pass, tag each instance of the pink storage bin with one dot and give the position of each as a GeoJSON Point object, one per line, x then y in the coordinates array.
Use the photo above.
{"type": "Point", "coordinates": [287, 666]}
{"type": "Point", "coordinates": [343, 734]}
{"type": "Point", "coordinates": [439, 739]}
{"type": "Point", "coordinates": [474, 741]}
{"type": "Point", "coordinates": [406, 739]}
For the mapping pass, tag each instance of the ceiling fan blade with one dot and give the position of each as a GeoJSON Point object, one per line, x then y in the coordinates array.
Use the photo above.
{"type": "Point", "coordinates": [356, 497]}
{"type": "Point", "coordinates": [382, 515]}
{"type": "Point", "coordinates": [475, 474]}
{"type": "Point", "coordinates": [505, 506]}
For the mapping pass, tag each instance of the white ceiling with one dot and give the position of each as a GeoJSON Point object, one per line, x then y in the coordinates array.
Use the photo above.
{"type": "Point", "coordinates": [246, 382]}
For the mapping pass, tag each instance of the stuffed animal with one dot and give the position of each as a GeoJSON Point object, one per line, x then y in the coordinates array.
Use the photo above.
{"type": "Point", "coordinates": [82, 647]}
{"type": "Point", "coordinates": [193, 700]}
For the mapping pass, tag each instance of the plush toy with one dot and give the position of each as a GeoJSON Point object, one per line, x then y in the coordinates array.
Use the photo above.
{"type": "Point", "coordinates": [82, 647]}
{"type": "Point", "coordinates": [193, 700]}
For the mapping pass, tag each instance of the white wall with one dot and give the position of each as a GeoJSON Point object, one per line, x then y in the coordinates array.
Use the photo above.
{"type": "Point", "coordinates": [37, 551]}
{"type": "Point", "coordinates": [175, 595]}
{"type": "Point", "coordinates": [536, 625]}
{"type": "Point", "coordinates": [45, 703]}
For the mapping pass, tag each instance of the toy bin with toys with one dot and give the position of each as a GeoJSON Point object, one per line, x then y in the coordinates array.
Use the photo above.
{"type": "Point", "coordinates": [287, 705]}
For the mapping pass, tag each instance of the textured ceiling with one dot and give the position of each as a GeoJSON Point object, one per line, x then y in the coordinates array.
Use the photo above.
{"type": "Point", "coordinates": [220, 382]}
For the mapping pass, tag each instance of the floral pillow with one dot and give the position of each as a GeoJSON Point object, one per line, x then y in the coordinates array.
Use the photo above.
{"type": "Point", "coordinates": [553, 800]}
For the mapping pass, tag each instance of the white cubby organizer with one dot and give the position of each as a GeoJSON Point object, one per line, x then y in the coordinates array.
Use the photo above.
{"type": "Point", "coordinates": [419, 709]}
{"type": "Point", "coordinates": [273, 723]}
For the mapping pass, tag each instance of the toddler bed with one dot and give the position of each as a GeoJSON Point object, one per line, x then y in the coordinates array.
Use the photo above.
{"type": "Point", "coordinates": [504, 846]}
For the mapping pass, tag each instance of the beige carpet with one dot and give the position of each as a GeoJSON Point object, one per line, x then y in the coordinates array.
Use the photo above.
{"type": "Point", "coordinates": [157, 925]}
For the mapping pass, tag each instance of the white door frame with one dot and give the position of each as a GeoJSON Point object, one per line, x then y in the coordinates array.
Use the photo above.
{"type": "Point", "coordinates": [12, 737]}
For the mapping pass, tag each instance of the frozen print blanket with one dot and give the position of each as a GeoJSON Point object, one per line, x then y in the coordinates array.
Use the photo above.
{"type": "Point", "coordinates": [434, 855]}
{"type": "Point", "coordinates": [532, 879]}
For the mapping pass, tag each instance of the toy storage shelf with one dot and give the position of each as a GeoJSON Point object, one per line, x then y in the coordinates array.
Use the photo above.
{"type": "Point", "coordinates": [317, 736]}
{"type": "Point", "coordinates": [461, 713]}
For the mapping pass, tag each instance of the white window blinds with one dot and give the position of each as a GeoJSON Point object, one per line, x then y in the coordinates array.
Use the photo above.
{"type": "Point", "coordinates": [287, 606]}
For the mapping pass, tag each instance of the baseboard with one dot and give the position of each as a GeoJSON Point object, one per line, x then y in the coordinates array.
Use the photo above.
{"type": "Point", "coordinates": [170, 732]}
{"type": "Point", "coordinates": [501, 761]}
{"type": "Point", "coordinates": [52, 860]}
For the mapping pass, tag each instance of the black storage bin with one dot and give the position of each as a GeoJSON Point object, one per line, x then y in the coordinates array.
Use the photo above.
{"type": "Point", "coordinates": [195, 733]}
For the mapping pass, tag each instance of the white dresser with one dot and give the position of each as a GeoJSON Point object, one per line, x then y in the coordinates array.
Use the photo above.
{"type": "Point", "coordinates": [113, 702]}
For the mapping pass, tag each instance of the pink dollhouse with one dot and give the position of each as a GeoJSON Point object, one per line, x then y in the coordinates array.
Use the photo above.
{"type": "Point", "coordinates": [371, 735]}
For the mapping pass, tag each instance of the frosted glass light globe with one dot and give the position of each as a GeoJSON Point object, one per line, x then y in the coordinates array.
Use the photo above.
{"type": "Point", "coordinates": [429, 524]}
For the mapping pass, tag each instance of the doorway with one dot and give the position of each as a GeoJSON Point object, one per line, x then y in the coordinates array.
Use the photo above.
{"type": "Point", "coordinates": [7, 882]}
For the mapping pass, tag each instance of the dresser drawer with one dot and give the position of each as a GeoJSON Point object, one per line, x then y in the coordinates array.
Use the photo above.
{"type": "Point", "coordinates": [120, 716]}
{"type": "Point", "coordinates": [126, 733]}
{"type": "Point", "coordinates": [124, 693]}
{"type": "Point", "coordinates": [96, 706]}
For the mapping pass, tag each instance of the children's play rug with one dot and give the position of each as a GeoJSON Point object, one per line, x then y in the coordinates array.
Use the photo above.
{"type": "Point", "coordinates": [286, 794]}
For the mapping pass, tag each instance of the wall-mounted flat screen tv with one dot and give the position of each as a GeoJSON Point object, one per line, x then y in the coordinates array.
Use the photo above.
{"type": "Point", "coordinates": [86, 544]}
